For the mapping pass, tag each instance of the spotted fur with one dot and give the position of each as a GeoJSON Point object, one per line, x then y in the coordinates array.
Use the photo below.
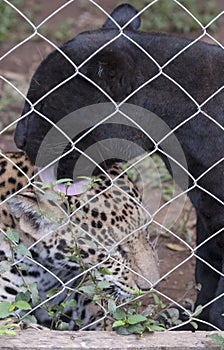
{"type": "Point", "coordinates": [97, 228]}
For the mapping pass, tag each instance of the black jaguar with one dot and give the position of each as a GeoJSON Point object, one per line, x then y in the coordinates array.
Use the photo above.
{"type": "Point", "coordinates": [183, 88]}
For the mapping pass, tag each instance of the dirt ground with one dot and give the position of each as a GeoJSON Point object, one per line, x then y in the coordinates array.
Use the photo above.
{"type": "Point", "coordinates": [18, 67]}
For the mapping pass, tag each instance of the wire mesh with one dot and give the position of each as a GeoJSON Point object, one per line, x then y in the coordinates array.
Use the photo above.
{"type": "Point", "coordinates": [160, 218]}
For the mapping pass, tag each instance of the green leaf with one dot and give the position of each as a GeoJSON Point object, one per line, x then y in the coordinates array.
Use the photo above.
{"type": "Point", "coordinates": [12, 236]}
{"type": "Point", "coordinates": [50, 313]}
{"type": "Point", "coordinates": [4, 309]}
{"type": "Point", "coordinates": [136, 328]}
{"type": "Point", "coordinates": [70, 303]}
{"type": "Point", "coordinates": [219, 339]}
{"type": "Point", "coordinates": [155, 327]}
{"type": "Point", "coordinates": [23, 296]}
{"type": "Point", "coordinates": [149, 310]}
{"type": "Point", "coordinates": [198, 310]}
{"type": "Point", "coordinates": [111, 306]}
{"type": "Point", "coordinates": [97, 297]}
{"type": "Point", "coordinates": [149, 329]}
{"type": "Point", "coordinates": [22, 250]}
{"type": "Point", "coordinates": [96, 180]}
{"type": "Point", "coordinates": [51, 196]}
{"type": "Point", "coordinates": [84, 178]}
{"type": "Point", "coordinates": [122, 330]}
{"type": "Point", "coordinates": [52, 292]}
{"type": "Point", "coordinates": [194, 324]}
{"type": "Point", "coordinates": [30, 319]}
{"type": "Point", "coordinates": [12, 307]}
{"type": "Point", "coordinates": [104, 271]}
{"type": "Point", "coordinates": [172, 313]}
{"type": "Point", "coordinates": [88, 289]}
{"type": "Point", "coordinates": [134, 319]}
{"type": "Point", "coordinates": [118, 323]}
{"type": "Point", "coordinates": [63, 326]}
{"type": "Point", "coordinates": [34, 293]}
{"type": "Point", "coordinates": [61, 181]}
{"type": "Point", "coordinates": [7, 332]}
{"type": "Point", "coordinates": [79, 323]}
{"type": "Point", "coordinates": [119, 314]}
{"type": "Point", "coordinates": [22, 304]}
{"type": "Point", "coordinates": [103, 284]}
{"type": "Point", "coordinates": [158, 302]}
{"type": "Point", "coordinates": [23, 267]}
{"type": "Point", "coordinates": [43, 186]}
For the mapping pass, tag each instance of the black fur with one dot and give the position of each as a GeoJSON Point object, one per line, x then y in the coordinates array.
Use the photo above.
{"type": "Point", "coordinates": [119, 69]}
{"type": "Point", "coordinates": [122, 15]}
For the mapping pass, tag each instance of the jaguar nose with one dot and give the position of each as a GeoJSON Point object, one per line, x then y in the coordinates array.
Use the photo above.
{"type": "Point", "coordinates": [20, 135]}
{"type": "Point", "coordinates": [144, 286]}
{"type": "Point", "coordinates": [20, 140]}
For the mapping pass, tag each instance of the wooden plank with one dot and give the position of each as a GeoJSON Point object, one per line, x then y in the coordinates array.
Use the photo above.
{"type": "Point", "coordinates": [45, 339]}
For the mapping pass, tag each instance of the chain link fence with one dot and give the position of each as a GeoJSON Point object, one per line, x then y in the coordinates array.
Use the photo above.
{"type": "Point", "coordinates": [115, 95]}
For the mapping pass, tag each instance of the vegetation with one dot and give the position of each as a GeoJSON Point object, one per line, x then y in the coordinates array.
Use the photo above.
{"type": "Point", "coordinates": [218, 339]}
{"type": "Point", "coordinates": [126, 318]}
{"type": "Point", "coordinates": [166, 15]}
{"type": "Point", "coordinates": [11, 102]}
{"type": "Point", "coordinates": [163, 15]}
{"type": "Point", "coordinates": [8, 19]}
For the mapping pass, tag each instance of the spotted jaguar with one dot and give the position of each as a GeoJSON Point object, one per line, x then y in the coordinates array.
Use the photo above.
{"type": "Point", "coordinates": [72, 243]}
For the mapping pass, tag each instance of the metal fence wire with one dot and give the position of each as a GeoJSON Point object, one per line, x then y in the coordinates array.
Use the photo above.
{"type": "Point", "coordinates": [100, 251]}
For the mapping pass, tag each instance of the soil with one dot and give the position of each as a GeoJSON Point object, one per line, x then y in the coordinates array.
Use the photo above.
{"type": "Point", "coordinates": [18, 67]}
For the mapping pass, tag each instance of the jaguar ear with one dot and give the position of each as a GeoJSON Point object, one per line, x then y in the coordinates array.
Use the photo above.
{"type": "Point", "coordinates": [24, 206]}
{"type": "Point", "coordinates": [123, 14]}
{"type": "Point", "coordinates": [22, 203]}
